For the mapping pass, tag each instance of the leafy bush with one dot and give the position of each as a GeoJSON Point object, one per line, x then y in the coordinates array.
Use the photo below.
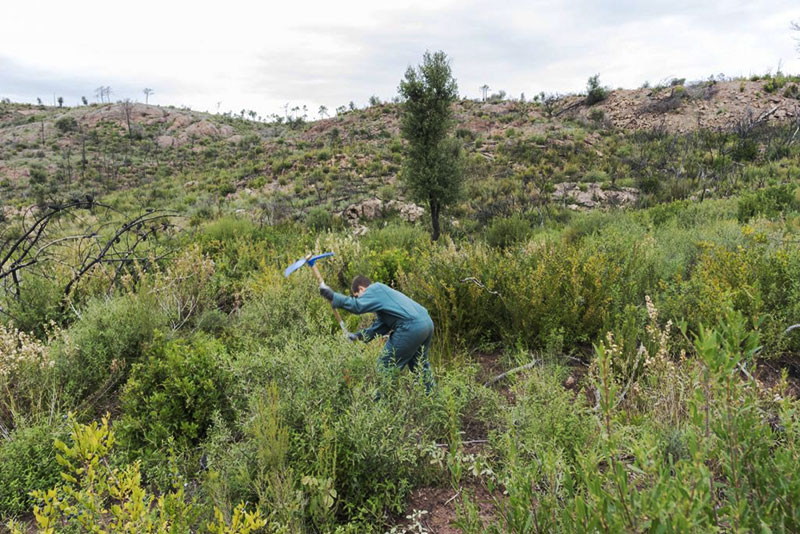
{"type": "Point", "coordinates": [386, 266]}
{"type": "Point", "coordinates": [93, 493]}
{"type": "Point", "coordinates": [226, 229]}
{"type": "Point", "coordinates": [273, 303]}
{"type": "Point", "coordinates": [319, 219]}
{"type": "Point", "coordinates": [66, 124]}
{"type": "Point", "coordinates": [95, 356]}
{"type": "Point", "coordinates": [769, 202]}
{"type": "Point", "coordinates": [40, 303]}
{"type": "Point", "coordinates": [404, 236]}
{"type": "Point", "coordinates": [184, 289]}
{"type": "Point", "coordinates": [338, 438]}
{"type": "Point", "coordinates": [649, 184]}
{"type": "Point", "coordinates": [28, 385]}
{"type": "Point", "coordinates": [720, 457]}
{"type": "Point", "coordinates": [594, 91]}
{"type": "Point", "coordinates": [745, 149]}
{"type": "Point", "coordinates": [174, 393]}
{"type": "Point", "coordinates": [546, 417]}
{"type": "Point", "coordinates": [27, 463]}
{"type": "Point", "coordinates": [505, 232]}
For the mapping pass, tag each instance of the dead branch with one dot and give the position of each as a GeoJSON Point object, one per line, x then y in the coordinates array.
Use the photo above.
{"type": "Point", "coordinates": [480, 285]}
{"type": "Point", "coordinates": [569, 108]}
{"type": "Point", "coordinates": [515, 370]}
{"type": "Point", "coordinates": [46, 240]}
{"type": "Point", "coordinates": [468, 442]}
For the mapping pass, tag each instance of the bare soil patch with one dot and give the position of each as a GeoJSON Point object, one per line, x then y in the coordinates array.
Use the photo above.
{"type": "Point", "coordinates": [442, 507]}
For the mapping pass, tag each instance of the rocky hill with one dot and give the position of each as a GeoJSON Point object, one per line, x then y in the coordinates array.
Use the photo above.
{"type": "Point", "coordinates": [341, 160]}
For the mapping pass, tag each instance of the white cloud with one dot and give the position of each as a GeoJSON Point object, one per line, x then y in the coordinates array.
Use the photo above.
{"type": "Point", "coordinates": [261, 55]}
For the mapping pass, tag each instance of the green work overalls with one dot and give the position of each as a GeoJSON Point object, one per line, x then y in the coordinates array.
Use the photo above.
{"type": "Point", "coordinates": [408, 324]}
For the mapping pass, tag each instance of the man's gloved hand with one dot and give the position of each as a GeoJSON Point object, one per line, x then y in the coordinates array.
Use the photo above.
{"type": "Point", "coordinates": [353, 336]}
{"type": "Point", "coordinates": [326, 292]}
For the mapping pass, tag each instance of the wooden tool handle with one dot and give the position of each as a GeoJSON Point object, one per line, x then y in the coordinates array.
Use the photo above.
{"type": "Point", "coordinates": [335, 311]}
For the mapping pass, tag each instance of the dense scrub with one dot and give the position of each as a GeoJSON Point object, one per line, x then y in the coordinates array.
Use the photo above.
{"type": "Point", "coordinates": [219, 371]}
{"type": "Point", "coordinates": [197, 388]}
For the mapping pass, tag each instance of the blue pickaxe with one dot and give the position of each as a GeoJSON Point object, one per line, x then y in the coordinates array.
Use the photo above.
{"type": "Point", "coordinates": [311, 261]}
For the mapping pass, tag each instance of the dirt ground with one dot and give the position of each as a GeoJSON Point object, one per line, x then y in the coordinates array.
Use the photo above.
{"type": "Point", "coordinates": [442, 506]}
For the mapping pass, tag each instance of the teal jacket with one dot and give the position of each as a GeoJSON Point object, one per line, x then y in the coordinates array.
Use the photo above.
{"type": "Point", "coordinates": [393, 310]}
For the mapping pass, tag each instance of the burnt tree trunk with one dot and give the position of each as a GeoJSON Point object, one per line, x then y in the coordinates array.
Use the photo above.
{"type": "Point", "coordinates": [436, 209]}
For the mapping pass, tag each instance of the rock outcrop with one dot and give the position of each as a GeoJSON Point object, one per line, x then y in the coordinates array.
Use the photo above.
{"type": "Point", "coordinates": [373, 208]}
{"type": "Point", "coordinates": [591, 195]}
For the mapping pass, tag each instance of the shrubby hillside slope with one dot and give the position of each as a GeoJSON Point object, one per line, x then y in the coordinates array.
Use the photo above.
{"type": "Point", "coordinates": [611, 298]}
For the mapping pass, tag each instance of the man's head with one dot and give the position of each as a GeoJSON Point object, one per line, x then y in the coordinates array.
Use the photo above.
{"type": "Point", "coordinates": [360, 283]}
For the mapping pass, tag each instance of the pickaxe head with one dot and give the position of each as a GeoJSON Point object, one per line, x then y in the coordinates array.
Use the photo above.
{"type": "Point", "coordinates": [308, 260]}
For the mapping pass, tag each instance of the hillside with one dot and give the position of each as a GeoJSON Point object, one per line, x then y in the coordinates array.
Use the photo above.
{"type": "Point", "coordinates": [610, 300]}
{"type": "Point", "coordinates": [355, 156]}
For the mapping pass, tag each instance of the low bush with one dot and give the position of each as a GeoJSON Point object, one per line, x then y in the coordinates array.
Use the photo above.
{"type": "Point", "coordinates": [506, 232]}
{"type": "Point", "coordinates": [687, 447]}
{"type": "Point", "coordinates": [27, 463]}
{"type": "Point", "coordinates": [546, 417]}
{"type": "Point", "coordinates": [174, 393]}
{"type": "Point", "coordinates": [769, 202]}
{"type": "Point", "coordinates": [66, 124]}
{"type": "Point", "coordinates": [93, 493]}
{"type": "Point", "coordinates": [41, 302]}
{"type": "Point", "coordinates": [315, 429]}
{"type": "Point", "coordinates": [95, 356]}
{"type": "Point", "coordinates": [594, 91]}
{"type": "Point", "coordinates": [319, 219]}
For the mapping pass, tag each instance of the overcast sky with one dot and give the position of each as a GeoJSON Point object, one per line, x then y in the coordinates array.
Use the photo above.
{"type": "Point", "coordinates": [235, 54]}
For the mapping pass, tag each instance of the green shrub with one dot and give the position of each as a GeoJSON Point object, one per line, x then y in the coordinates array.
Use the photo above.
{"type": "Point", "coordinates": [274, 304]}
{"type": "Point", "coordinates": [338, 438]}
{"type": "Point", "coordinates": [792, 91]}
{"type": "Point", "coordinates": [225, 189]}
{"type": "Point", "coordinates": [774, 83]}
{"type": "Point", "coordinates": [597, 116]}
{"type": "Point", "coordinates": [745, 149]}
{"type": "Point", "coordinates": [585, 224]}
{"type": "Point", "coordinates": [594, 91]}
{"type": "Point", "coordinates": [94, 493]}
{"type": "Point", "coordinates": [405, 236]}
{"type": "Point", "coordinates": [184, 289]}
{"type": "Point", "coordinates": [506, 232]}
{"type": "Point", "coordinates": [386, 266]}
{"type": "Point", "coordinates": [38, 174]}
{"type": "Point", "coordinates": [66, 124]}
{"type": "Point", "coordinates": [769, 202]}
{"type": "Point", "coordinates": [227, 229]}
{"type": "Point", "coordinates": [319, 219]}
{"type": "Point", "coordinates": [101, 346]}
{"type": "Point", "coordinates": [466, 134]}
{"type": "Point", "coordinates": [174, 393]}
{"type": "Point", "coordinates": [649, 183]}
{"type": "Point", "coordinates": [41, 302]}
{"type": "Point", "coordinates": [27, 463]}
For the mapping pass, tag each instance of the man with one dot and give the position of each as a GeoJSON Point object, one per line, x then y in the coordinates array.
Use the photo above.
{"type": "Point", "coordinates": [408, 324]}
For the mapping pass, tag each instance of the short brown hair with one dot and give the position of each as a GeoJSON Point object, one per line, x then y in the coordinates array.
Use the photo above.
{"type": "Point", "coordinates": [359, 281]}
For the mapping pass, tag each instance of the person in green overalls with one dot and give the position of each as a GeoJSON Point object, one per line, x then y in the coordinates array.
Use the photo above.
{"type": "Point", "coordinates": [408, 324]}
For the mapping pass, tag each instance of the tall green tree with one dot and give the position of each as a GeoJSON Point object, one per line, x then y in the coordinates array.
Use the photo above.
{"type": "Point", "coordinates": [432, 167]}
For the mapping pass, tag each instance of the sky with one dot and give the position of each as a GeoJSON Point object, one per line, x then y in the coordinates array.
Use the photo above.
{"type": "Point", "coordinates": [263, 56]}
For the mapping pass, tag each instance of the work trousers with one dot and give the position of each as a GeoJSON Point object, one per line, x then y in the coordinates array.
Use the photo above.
{"type": "Point", "coordinates": [408, 345]}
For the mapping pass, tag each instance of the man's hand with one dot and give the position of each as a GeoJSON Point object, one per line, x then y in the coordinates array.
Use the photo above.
{"type": "Point", "coordinates": [326, 292]}
{"type": "Point", "coordinates": [353, 336]}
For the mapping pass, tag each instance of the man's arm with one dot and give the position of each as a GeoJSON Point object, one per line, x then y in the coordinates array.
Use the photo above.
{"type": "Point", "coordinates": [366, 303]}
{"type": "Point", "coordinates": [377, 328]}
